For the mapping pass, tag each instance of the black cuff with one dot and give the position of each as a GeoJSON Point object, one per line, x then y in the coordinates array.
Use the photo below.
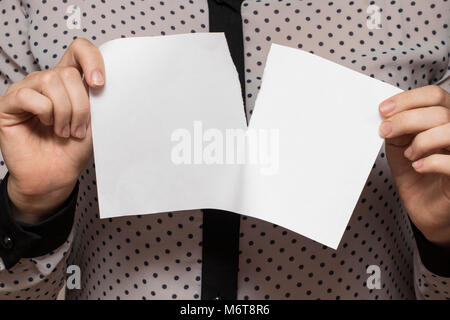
{"type": "Point", "coordinates": [20, 240]}
{"type": "Point", "coordinates": [435, 258]}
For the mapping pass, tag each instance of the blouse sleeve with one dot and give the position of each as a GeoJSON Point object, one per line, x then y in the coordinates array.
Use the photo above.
{"type": "Point", "coordinates": [431, 263]}
{"type": "Point", "coordinates": [39, 277]}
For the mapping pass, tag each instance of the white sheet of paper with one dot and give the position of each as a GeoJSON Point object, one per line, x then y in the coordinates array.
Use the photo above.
{"type": "Point", "coordinates": [328, 119]}
{"type": "Point", "coordinates": [155, 86]}
{"type": "Point", "coordinates": [326, 116]}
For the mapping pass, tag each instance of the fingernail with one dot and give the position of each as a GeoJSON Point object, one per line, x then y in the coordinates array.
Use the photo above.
{"type": "Point", "coordinates": [387, 107]}
{"type": "Point", "coordinates": [418, 164]}
{"type": "Point", "coordinates": [408, 152]}
{"type": "Point", "coordinates": [97, 78]}
{"type": "Point", "coordinates": [80, 132]}
{"type": "Point", "coordinates": [66, 131]}
{"type": "Point", "coordinates": [385, 129]}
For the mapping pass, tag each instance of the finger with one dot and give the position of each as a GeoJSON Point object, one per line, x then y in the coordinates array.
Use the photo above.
{"type": "Point", "coordinates": [414, 121]}
{"type": "Point", "coordinates": [436, 163]}
{"type": "Point", "coordinates": [86, 57]}
{"type": "Point", "coordinates": [79, 100]}
{"type": "Point", "coordinates": [31, 101]}
{"type": "Point", "coordinates": [427, 96]}
{"type": "Point", "coordinates": [433, 139]}
{"type": "Point", "coordinates": [52, 86]}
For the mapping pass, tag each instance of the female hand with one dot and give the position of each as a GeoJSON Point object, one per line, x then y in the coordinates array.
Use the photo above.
{"type": "Point", "coordinates": [417, 132]}
{"type": "Point", "coordinates": [45, 133]}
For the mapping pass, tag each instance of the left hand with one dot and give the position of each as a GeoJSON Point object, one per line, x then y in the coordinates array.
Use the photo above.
{"type": "Point", "coordinates": [417, 132]}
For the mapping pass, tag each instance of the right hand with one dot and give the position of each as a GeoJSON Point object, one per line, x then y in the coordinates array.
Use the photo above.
{"type": "Point", "coordinates": [45, 132]}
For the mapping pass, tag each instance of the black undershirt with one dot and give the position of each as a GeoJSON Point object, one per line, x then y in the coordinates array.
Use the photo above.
{"type": "Point", "coordinates": [220, 256]}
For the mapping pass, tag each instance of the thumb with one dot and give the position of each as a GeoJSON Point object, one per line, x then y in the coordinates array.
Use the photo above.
{"type": "Point", "coordinates": [87, 58]}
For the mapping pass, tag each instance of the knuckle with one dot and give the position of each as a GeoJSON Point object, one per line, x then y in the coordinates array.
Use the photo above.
{"type": "Point", "coordinates": [441, 115]}
{"type": "Point", "coordinates": [78, 42]}
{"type": "Point", "coordinates": [22, 95]}
{"type": "Point", "coordinates": [418, 144]}
{"type": "Point", "coordinates": [49, 78]}
{"type": "Point", "coordinates": [438, 94]}
{"type": "Point", "coordinates": [70, 73]}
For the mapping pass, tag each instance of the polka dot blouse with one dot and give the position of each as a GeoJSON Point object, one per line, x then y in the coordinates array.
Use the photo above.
{"type": "Point", "coordinates": [159, 256]}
